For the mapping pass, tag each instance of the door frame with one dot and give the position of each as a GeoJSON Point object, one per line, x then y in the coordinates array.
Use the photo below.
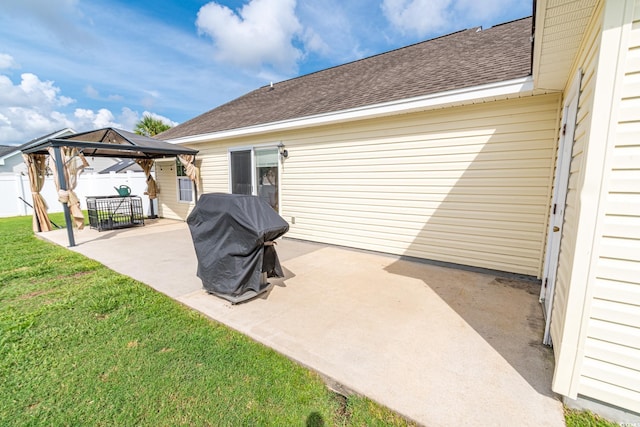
{"type": "Point", "coordinates": [558, 202]}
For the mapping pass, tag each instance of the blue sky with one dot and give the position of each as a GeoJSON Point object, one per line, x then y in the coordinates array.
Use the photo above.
{"type": "Point", "coordinates": [87, 64]}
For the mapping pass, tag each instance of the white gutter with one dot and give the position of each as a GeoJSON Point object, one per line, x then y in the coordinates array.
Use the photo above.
{"type": "Point", "coordinates": [520, 86]}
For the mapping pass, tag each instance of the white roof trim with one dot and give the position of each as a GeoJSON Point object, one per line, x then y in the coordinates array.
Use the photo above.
{"type": "Point", "coordinates": [6, 156]}
{"type": "Point", "coordinates": [539, 18]}
{"type": "Point", "coordinates": [509, 87]}
{"type": "Point", "coordinates": [10, 154]}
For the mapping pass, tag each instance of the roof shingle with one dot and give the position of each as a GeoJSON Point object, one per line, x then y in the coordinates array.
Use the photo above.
{"type": "Point", "coordinates": [463, 59]}
{"type": "Point", "coordinates": [7, 149]}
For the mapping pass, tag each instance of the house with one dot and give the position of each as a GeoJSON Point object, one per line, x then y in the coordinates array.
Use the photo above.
{"type": "Point", "coordinates": [11, 161]}
{"type": "Point", "coordinates": [513, 148]}
{"type": "Point", "coordinates": [121, 165]}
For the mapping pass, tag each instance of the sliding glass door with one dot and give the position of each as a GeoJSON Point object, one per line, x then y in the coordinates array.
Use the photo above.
{"type": "Point", "coordinates": [256, 171]}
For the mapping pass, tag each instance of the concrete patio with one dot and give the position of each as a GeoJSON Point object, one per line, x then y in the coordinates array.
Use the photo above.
{"type": "Point", "coordinates": [440, 346]}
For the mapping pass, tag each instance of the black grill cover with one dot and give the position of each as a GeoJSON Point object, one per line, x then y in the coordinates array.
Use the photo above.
{"type": "Point", "coordinates": [229, 232]}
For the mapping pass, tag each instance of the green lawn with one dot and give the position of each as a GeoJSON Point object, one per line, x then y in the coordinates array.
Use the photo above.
{"type": "Point", "coordinates": [82, 345]}
{"type": "Point", "coordinates": [585, 419]}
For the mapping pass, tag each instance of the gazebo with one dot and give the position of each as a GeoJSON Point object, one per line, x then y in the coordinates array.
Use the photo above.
{"type": "Point", "coordinates": [67, 159]}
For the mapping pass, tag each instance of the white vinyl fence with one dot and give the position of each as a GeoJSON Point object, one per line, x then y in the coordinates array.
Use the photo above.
{"type": "Point", "coordinates": [12, 187]}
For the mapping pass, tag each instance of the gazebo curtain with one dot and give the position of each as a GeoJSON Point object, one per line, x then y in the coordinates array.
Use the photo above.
{"type": "Point", "coordinates": [152, 187]}
{"type": "Point", "coordinates": [188, 161]}
{"type": "Point", "coordinates": [36, 166]}
{"type": "Point", "coordinates": [73, 163]}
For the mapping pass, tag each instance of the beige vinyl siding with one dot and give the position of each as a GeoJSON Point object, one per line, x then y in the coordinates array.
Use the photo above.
{"type": "Point", "coordinates": [587, 62]}
{"type": "Point", "coordinates": [611, 369]}
{"type": "Point", "coordinates": [214, 178]}
{"type": "Point", "coordinates": [596, 315]}
{"type": "Point", "coordinates": [214, 169]}
{"type": "Point", "coordinates": [467, 185]}
{"type": "Point", "coordinates": [168, 204]}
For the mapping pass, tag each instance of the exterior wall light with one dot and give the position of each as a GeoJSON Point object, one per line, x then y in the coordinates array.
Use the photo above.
{"type": "Point", "coordinates": [283, 152]}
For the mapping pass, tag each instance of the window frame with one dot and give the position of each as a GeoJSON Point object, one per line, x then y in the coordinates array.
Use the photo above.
{"type": "Point", "coordinates": [181, 177]}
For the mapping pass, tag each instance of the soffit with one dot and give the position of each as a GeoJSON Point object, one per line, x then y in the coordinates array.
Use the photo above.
{"type": "Point", "coordinates": [560, 26]}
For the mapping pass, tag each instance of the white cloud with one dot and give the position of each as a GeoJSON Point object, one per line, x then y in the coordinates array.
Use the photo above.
{"type": "Point", "coordinates": [33, 86]}
{"type": "Point", "coordinates": [129, 118]}
{"type": "Point", "coordinates": [21, 124]}
{"type": "Point", "coordinates": [27, 108]}
{"type": "Point", "coordinates": [7, 61]}
{"type": "Point", "coordinates": [314, 42]}
{"type": "Point", "coordinates": [429, 17]}
{"type": "Point", "coordinates": [336, 30]}
{"type": "Point", "coordinates": [94, 93]}
{"type": "Point", "coordinates": [30, 91]}
{"type": "Point", "coordinates": [62, 19]}
{"type": "Point", "coordinates": [261, 33]}
{"type": "Point", "coordinates": [89, 119]}
{"type": "Point", "coordinates": [91, 92]}
{"type": "Point", "coordinates": [33, 108]}
{"type": "Point", "coordinates": [418, 16]}
{"type": "Point", "coordinates": [163, 119]}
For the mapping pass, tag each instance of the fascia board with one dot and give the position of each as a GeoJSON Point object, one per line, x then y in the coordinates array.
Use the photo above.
{"type": "Point", "coordinates": [540, 17]}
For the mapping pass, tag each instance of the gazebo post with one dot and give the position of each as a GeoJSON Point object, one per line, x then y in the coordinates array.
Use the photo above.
{"type": "Point", "coordinates": [63, 186]}
{"type": "Point", "coordinates": [152, 214]}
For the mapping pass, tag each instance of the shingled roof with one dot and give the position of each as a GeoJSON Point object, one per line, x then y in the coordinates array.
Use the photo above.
{"type": "Point", "coordinates": [463, 59]}
{"type": "Point", "coordinates": [6, 149]}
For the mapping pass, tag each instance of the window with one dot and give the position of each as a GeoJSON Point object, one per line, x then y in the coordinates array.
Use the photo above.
{"type": "Point", "coordinates": [185, 185]}
{"type": "Point", "coordinates": [241, 172]}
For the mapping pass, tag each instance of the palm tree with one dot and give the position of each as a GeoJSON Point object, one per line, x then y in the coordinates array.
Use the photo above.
{"type": "Point", "coordinates": [148, 126]}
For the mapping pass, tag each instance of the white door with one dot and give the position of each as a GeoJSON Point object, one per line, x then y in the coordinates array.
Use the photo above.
{"type": "Point", "coordinates": [558, 203]}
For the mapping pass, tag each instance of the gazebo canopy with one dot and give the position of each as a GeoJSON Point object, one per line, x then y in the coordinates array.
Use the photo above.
{"type": "Point", "coordinates": [68, 159]}
{"type": "Point", "coordinates": [110, 142]}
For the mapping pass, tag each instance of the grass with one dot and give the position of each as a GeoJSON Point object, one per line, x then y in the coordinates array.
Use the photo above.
{"type": "Point", "coordinates": [82, 345]}
{"type": "Point", "coordinates": [575, 418]}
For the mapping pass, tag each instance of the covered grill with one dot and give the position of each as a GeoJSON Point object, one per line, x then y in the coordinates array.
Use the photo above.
{"type": "Point", "coordinates": [233, 237]}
